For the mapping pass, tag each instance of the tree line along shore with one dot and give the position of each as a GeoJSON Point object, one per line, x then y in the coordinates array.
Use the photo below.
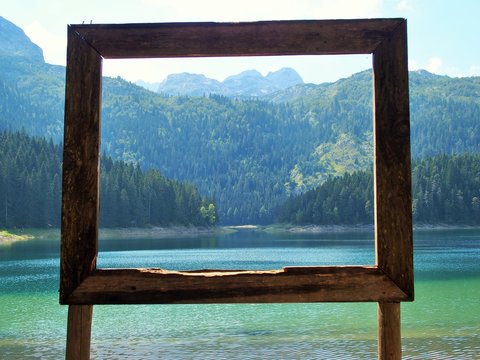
{"type": "Point", "coordinates": [445, 193]}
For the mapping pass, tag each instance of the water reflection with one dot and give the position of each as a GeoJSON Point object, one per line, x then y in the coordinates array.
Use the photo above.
{"type": "Point", "coordinates": [248, 250]}
{"type": "Point", "coordinates": [240, 239]}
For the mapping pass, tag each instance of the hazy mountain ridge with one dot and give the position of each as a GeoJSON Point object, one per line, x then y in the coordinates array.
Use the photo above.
{"type": "Point", "coordinates": [189, 84]}
{"type": "Point", "coordinates": [247, 84]}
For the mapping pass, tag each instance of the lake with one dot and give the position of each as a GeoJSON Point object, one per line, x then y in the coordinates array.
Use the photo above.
{"type": "Point", "coordinates": [442, 323]}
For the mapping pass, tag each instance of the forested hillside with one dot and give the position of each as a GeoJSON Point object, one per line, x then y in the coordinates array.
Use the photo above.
{"type": "Point", "coordinates": [250, 155]}
{"type": "Point", "coordinates": [240, 152]}
{"type": "Point", "coordinates": [446, 189]}
{"type": "Point", "coordinates": [444, 111]}
{"type": "Point", "coordinates": [30, 183]}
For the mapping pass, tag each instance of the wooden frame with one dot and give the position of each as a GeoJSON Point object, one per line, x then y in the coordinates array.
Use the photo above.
{"type": "Point", "coordinates": [388, 282]}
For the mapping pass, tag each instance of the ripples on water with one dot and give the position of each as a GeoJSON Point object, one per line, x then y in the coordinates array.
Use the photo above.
{"type": "Point", "coordinates": [443, 322]}
{"type": "Point", "coordinates": [248, 350]}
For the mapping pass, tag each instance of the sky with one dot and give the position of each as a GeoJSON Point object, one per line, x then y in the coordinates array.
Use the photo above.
{"type": "Point", "coordinates": [442, 34]}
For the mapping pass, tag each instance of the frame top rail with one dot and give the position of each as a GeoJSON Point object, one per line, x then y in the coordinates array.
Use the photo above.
{"type": "Point", "coordinates": [264, 38]}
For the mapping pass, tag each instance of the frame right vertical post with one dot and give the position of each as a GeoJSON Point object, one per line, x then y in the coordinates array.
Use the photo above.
{"type": "Point", "coordinates": [392, 177]}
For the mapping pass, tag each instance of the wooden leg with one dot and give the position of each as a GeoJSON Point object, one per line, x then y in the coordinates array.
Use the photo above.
{"type": "Point", "coordinates": [389, 338]}
{"type": "Point", "coordinates": [79, 331]}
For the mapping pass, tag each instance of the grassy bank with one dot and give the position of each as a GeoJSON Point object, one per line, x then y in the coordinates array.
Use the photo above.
{"type": "Point", "coordinates": [7, 237]}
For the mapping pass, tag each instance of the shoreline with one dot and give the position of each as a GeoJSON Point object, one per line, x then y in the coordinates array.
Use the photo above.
{"type": "Point", "coordinates": [320, 229]}
{"type": "Point", "coordinates": [314, 229]}
{"type": "Point", "coordinates": [7, 238]}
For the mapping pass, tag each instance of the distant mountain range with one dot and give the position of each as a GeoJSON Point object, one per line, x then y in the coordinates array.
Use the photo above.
{"type": "Point", "coordinates": [278, 137]}
{"type": "Point", "coordinates": [249, 83]}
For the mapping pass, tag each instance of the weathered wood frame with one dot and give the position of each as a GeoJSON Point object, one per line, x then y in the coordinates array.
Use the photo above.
{"type": "Point", "coordinates": [388, 282]}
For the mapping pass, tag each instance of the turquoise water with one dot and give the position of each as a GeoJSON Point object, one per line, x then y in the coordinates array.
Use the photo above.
{"type": "Point", "coordinates": [442, 323]}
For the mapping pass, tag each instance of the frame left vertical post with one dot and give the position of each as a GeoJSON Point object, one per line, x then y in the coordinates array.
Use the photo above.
{"type": "Point", "coordinates": [81, 164]}
{"type": "Point", "coordinates": [80, 191]}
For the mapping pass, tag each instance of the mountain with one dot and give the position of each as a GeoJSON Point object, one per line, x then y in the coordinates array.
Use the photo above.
{"type": "Point", "coordinates": [14, 42]}
{"type": "Point", "coordinates": [252, 83]}
{"type": "Point", "coordinates": [284, 78]}
{"type": "Point", "coordinates": [249, 154]}
{"type": "Point", "coordinates": [247, 84]}
{"type": "Point", "coordinates": [31, 91]}
{"type": "Point", "coordinates": [189, 84]}
{"type": "Point", "coordinates": [148, 85]}
{"type": "Point", "coordinates": [443, 110]}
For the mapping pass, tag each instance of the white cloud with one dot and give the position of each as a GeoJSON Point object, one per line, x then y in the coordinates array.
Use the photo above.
{"type": "Point", "coordinates": [437, 66]}
{"type": "Point", "coordinates": [251, 10]}
{"type": "Point", "coordinates": [404, 5]}
{"type": "Point", "coordinates": [53, 46]}
{"type": "Point", "coordinates": [474, 70]}
{"type": "Point", "coordinates": [434, 65]}
{"type": "Point", "coordinates": [413, 65]}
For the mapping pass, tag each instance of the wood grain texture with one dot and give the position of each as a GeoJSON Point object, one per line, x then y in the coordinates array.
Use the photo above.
{"type": "Point", "coordinates": [312, 37]}
{"type": "Point", "coordinates": [295, 284]}
{"type": "Point", "coordinates": [79, 330]}
{"type": "Point", "coordinates": [389, 337]}
{"type": "Point", "coordinates": [80, 165]}
{"type": "Point", "coordinates": [393, 200]}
